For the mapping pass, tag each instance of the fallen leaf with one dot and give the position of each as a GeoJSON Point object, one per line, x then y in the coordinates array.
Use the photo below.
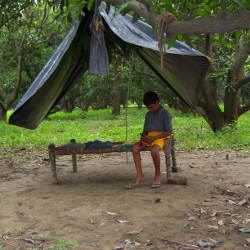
{"type": "Point", "coordinates": [192, 218]}
{"type": "Point", "coordinates": [231, 202]}
{"type": "Point", "coordinates": [214, 241]}
{"type": "Point", "coordinates": [244, 230]}
{"type": "Point", "coordinates": [118, 248]}
{"type": "Point", "coordinates": [220, 222]}
{"type": "Point", "coordinates": [213, 227]}
{"type": "Point", "coordinates": [229, 192]}
{"type": "Point", "coordinates": [5, 237]}
{"type": "Point", "coordinates": [243, 202]}
{"type": "Point", "coordinates": [235, 221]}
{"type": "Point", "coordinates": [246, 221]}
{"type": "Point", "coordinates": [203, 211]}
{"type": "Point", "coordinates": [131, 244]}
{"type": "Point", "coordinates": [213, 214]}
{"type": "Point", "coordinates": [148, 243]}
{"type": "Point", "coordinates": [111, 213]}
{"type": "Point", "coordinates": [133, 232]}
{"type": "Point", "coordinates": [123, 221]}
{"type": "Point", "coordinates": [29, 241]}
{"type": "Point", "coordinates": [203, 243]}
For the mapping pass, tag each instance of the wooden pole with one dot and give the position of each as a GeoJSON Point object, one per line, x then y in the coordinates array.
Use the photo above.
{"type": "Point", "coordinates": [126, 119]}
{"type": "Point", "coordinates": [52, 157]}
{"type": "Point", "coordinates": [74, 157]}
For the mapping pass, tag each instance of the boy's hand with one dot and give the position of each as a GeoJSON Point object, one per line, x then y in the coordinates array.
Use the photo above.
{"type": "Point", "coordinates": [142, 136]}
{"type": "Point", "coordinates": [147, 139]}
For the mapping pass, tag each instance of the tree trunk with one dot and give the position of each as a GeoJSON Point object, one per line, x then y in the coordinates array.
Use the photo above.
{"type": "Point", "coordinates": [212, 113]}
{"type": "Point", "coordinates": [235, 80]}
{"type": "Point", "coordinates": [231, 105]}
{"type": "Point", "coordinates": [68, 105]}
{"type": "Point", "coordinates": [6, 104]}
{"type": "Point", "coordinates": [3, 113]}
{"type": "Point", "coordinates": [208, 102]}
{"type": "Point", "coordinates": [179, 104]}
{"type": "Point", "coordinates": [85, 107]}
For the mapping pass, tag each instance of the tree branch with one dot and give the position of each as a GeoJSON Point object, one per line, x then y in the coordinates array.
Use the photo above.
{"type": "Point", "coordinates": [220, 24]}
{"type": "Point", "coordinates": [242, 82]}
{"type": "Point", "coordinates": [44, 19]}
{"type": "Point", "coordinates": [7, 8]}
{"type": "Point", "coordinates": [7, 64]}
{"type": "Point", "coordinates": [17, 83]}
{"type": "Point", "coordinates": [236, 70]}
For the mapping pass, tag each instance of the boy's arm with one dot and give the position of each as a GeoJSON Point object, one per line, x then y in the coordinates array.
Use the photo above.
{"type": "Point", "coordinates": [144, 132]}
{"type": "Point", "coordinates": [164, 134]}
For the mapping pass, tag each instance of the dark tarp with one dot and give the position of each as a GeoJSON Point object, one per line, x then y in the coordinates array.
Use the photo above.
{"type": "Point", "coordinates": [184, 67]}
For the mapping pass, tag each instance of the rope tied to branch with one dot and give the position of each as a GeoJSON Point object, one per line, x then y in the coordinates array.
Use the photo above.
{"type": "Point", "coordinates": [97, 24]}
{"type": "Point", "coordinates": [162, 30]}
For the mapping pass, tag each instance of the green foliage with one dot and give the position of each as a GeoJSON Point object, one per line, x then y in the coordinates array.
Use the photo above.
{"type": "Point", "coordinates": [33, 35]}
{"type": "Point", "coordinates": [122, 8]}
{"type": "Point", "coordinates": [190, 131]}
{"type": "Point", "coordinates": [90, 4]}
{"type": "Point", "coordinates": [97, 91]}
{"type": "Point", "coordinates": [74, 9]}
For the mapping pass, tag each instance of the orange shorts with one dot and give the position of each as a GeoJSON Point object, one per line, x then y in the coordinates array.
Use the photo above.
{"type": "Point", "coordinates": [159, 142]}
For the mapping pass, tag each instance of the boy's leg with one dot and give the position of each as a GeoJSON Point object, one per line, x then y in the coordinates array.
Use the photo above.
{"type": "Point", "coordinates": [137, 160]}
{"type": "Point", "coordinates": [155, 153]}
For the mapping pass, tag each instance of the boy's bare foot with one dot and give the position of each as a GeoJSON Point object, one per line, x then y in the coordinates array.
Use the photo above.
{"type": "Point", "coordinates": [138, 183]}
{"type": "Point", "coordinates": [157, 179]}
{"type": "Point", "coordinates": [139, 179]}
{"type": "Point", "coordinates": [156, 185]}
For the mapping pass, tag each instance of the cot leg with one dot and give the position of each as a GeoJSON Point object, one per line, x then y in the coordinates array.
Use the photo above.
{"type": "Point", "coordinates": [74, 163]}
{"type": "Point", "coordinates": [52, 157]}
{"type": "Point", "coordinates": [74, 159]}
{"type": "Point", "coordinates": [167, 151]}
{"type": "Point", "coordinates": [179, 180]}
{"type": "Point", "coordinates": [174, 164]}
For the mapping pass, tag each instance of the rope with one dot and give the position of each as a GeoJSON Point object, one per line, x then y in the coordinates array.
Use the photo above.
{"type": "Point", "coordinates": [97, 23]}
{"type": "Point", "coordinates": [162, 26]}
{"type": "Point", "coordinates": [126, 119]}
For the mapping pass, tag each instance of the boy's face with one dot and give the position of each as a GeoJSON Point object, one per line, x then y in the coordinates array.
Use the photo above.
{"type": "Point", "coordinates": [153, 107]}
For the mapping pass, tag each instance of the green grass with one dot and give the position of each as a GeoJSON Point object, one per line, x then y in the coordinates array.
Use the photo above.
{"type": "Point", "coordinates": [190, 131]}
{"type": "Point", "coordinates": [62, 244]}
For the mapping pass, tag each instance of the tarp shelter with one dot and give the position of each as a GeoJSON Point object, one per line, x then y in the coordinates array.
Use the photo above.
{"type": "Point", "coordinates": [184, 68]}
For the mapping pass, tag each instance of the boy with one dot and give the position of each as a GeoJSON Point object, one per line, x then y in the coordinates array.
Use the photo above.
{"type": "Point", "coordinates": [157, 127]}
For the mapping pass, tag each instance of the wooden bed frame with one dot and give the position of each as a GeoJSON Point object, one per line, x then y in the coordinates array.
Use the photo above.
{"type": "Point", "coordinates": [75, 149]}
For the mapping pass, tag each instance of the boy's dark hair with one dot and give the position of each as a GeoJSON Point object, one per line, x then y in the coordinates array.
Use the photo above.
{"type": "Point", "coordinates": [150, 97]}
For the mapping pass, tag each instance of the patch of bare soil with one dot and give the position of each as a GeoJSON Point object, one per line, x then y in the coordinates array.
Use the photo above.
{"type": "Point", "coordinates": [92, 210]}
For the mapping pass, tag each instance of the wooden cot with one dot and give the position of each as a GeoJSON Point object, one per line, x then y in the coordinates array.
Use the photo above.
{"type": "Point", "coordinates": [75, 149]}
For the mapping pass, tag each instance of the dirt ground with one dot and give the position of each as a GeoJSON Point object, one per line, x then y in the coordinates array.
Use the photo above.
{"type": "Point", "coordinates": [91, 209]}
